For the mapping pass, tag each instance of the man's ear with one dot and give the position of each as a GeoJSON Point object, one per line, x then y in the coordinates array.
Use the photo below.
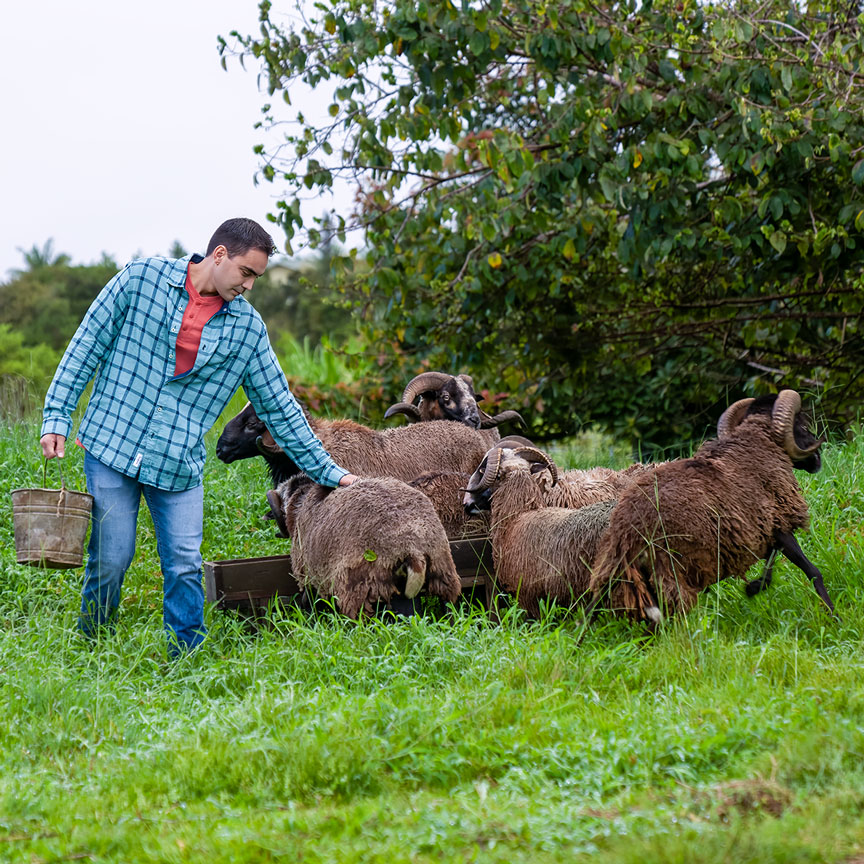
{"type": "Point", "coordinates": [219, 253]}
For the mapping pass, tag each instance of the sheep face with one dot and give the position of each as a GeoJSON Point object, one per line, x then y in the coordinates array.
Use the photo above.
{"type": "Point", "coordinates": [804, 438]}
{"type": "Point", "coordinates": [238, 438]}
{"type": "Point", "coordinates": [478, 499]}
{"type": "Point", "coordinates": [441, 397]}
{"type": "Point", "coordinates": [455, 400]}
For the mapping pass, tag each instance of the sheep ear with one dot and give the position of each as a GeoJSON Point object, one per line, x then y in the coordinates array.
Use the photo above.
{"type": "Point", "coordinates": [537, 467]}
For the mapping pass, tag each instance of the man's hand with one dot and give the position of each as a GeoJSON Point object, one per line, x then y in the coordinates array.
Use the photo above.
{"type": "Point", "coordinates": [347, 480]}
{"type": "Point", "coordinates": [53, 445]}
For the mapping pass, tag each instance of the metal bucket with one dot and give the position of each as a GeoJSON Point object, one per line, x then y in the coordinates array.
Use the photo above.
{"type": "Point", "coordinates": [50, 526]}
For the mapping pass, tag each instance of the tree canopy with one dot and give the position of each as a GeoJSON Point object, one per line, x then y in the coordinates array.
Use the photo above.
{"type": "Point", "coordinates": [626, 213]}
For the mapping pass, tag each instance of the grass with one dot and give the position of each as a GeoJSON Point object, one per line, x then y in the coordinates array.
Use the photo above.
{"type": "Point", "coordinates": [734, 734]}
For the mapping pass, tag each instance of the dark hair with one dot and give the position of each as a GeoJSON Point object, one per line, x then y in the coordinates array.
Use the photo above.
{"type": "Point", "coordinates": [239, 236]}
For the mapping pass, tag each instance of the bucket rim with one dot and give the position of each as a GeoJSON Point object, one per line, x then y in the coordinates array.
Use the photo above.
{"type": "Point", "coordinates": [43, 489]}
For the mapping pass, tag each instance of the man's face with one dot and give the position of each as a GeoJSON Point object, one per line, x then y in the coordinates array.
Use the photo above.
{"type": "Point", "coordinates": [234, 276]}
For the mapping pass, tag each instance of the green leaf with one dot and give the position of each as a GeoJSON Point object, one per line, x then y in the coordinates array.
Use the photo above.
{"type": "Point", "coordinates": [778, 240]}
{"type": "Point", "coordinates": [370, 555]}
{"type": "Point", "coordinates": [858, 172]}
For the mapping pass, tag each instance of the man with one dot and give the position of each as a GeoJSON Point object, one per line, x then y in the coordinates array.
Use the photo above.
{"type": "Point", "coordinates": [169, 342]}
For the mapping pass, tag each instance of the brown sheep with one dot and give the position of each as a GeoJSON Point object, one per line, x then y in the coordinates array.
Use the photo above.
{"type": "Point", "coordinates": [687, 524]}
{"type": "Point", "coordinates": [367, 543]}
{"type": "Point", "coordinates": [544, 531]}
{"type": "Point", "coordinates": [444, 489]}
{"type": "Point", "coordinates": [405, 452]}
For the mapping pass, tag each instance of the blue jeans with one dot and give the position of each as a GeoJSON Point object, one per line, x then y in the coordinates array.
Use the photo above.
{"type": "Point", "coordinates": [178, 518]}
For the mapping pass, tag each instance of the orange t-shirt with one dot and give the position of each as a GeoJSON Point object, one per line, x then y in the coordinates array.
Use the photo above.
{"type": "Point", "coordinates": [198, 312]}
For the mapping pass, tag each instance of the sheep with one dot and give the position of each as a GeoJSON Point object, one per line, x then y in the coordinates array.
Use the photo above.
{"type": "Point", "coordinates": [374, 541]}
{"type": "Point", "coordinates": [545, 528]}
{"type": "Point", "coordinates": [448, 397]}
{"type": "Point", "coordinates": [445, 488]}
{"type": "Point", "coordinates": [404, 453]}
{"type": "Point", "coordinates": [572, 489]}
{"type": "Point", "coordinates": [689, 523]}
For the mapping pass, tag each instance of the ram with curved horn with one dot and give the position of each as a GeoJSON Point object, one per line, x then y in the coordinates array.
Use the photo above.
{"type": "Point", "coordinates": [448, 397]}
{"type": "Point", "coordinates": [690, 523]}
{"type": "Point", "coordinates": [545, 524]}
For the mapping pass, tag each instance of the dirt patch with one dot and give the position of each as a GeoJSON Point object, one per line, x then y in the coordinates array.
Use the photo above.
{"type": "Point", "coordinates": [748, 798]}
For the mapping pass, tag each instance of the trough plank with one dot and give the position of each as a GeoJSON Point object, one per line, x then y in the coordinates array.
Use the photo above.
{"type": "Point", "coordinates": [241, 582]}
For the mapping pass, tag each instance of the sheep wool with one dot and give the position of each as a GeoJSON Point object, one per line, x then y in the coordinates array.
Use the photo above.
{"type": "Point", "coordinates": [548, 553]}
{"type": "Point", "coordinates": [687, 524]}
{"type": "Point", "coordinates": [444, 489]}
{"type": "Point", "coordinates": [545, 533]}
{"type": "Point", "coordinates": [366, 543]}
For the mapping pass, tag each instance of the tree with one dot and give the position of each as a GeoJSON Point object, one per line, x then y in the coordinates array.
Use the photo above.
{"type": "Point", "coordinates": [38, 259]}
{"type": "Point", "coordinates": [46, 303]}
{"type": "Point", "coordinates": [625, 213]}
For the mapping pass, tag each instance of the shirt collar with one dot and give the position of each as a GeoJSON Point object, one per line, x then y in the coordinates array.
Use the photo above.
{"type": "Point", "coordinates": [177, 279]}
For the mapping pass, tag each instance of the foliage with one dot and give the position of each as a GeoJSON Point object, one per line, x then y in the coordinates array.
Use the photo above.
{"type": "Point", "coordinates": [296, 296]}
{"type": "Point", "coordinates": [329, 381]}
{"type": "Point", "coordinates": [25, 373]}
{"type": "Point", "coordinates": [734, 734]}
{"type": "Point", "coordinates": [45, 303]}
{"type": "Point", "coordinates": [628, 213]}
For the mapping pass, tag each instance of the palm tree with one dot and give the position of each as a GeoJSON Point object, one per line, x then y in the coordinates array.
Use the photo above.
{"type": "Point", "coordinates": [39, 259]}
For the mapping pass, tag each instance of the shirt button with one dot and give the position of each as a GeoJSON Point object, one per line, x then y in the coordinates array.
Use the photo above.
{"type": "Point", "coordinates": [173, 329]}
{"type": "Point", "coordinates": [159, 408]}
{"type": "Point", "coordinates": [170, 353]}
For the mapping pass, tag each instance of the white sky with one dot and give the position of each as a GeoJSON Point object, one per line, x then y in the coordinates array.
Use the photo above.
{"type": "Point", "coordinates": [121, 131]}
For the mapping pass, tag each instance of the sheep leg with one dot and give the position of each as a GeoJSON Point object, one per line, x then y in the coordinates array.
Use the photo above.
{"type": "Point", "coordinates": [788, 545]}
{"type": "Point", "coordinates": [764, 581]}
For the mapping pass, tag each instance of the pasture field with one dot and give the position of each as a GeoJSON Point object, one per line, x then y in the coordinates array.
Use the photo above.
{"type": "Point", "coordinates": [734, 735]}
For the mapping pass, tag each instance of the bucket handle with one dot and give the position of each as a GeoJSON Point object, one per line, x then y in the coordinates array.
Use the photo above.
{"type": "Point", "coordinates": [61, 499]}
{"type": "Point", "coordinates": [45, 473]}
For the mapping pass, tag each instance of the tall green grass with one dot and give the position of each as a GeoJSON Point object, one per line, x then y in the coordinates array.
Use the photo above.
{"type": "Point", "coordinates": [734, 734]}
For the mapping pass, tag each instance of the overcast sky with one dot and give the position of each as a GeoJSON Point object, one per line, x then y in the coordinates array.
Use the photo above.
{"type": "Point", "coordinates": [121, 131]}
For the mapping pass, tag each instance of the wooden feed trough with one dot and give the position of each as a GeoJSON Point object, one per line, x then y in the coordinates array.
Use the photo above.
{"type": "Point", "coordinates": [251, 584]}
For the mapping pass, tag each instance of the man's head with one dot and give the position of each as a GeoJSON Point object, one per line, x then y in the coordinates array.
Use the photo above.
{"type": "Point", "coordinates": [240, 249]}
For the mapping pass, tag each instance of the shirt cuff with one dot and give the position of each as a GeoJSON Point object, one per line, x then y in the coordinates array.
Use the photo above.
{"type": "Point", "coordinates": [333, 476]}
{"type": "Point", "coordinates": [56, 426]}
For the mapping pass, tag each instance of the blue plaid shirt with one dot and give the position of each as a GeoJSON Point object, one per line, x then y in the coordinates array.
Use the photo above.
{"type": "Point", "coordinates": [144, 421]}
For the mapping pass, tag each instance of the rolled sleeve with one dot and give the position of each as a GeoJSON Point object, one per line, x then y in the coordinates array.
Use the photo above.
{"type": "Point", "coordinates": [268, 391]}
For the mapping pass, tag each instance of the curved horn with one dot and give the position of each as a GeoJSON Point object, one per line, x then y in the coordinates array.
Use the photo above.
{"type": "Point", "coordinates": [732, 416]}
{"type": "Point", "coordinates": [489, 422]}
{"type": "Point", "coordinates": [406, 408]}
{"type": "Point", "coordinates": [532, 454]}
{"type": "Point", "coordinates": [423, 382]}
{"type": "Point", "coordinates": [788, 404]}
{"type": "Point", "coordinates": [490, 472]}
{"type": "Point", "coordinates": [513, 441]}
{"type": "Point", "coordinates": [267, 445]}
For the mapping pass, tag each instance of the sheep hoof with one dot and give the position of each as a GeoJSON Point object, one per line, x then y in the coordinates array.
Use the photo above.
{"type": "Point", "coordinates": [654, 615]}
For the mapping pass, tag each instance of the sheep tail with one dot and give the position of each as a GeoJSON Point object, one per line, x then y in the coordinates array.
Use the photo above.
{"type": "Point", "coordinates": [621, 581]}
{"type": "Point", "coordinates": [415, 575]}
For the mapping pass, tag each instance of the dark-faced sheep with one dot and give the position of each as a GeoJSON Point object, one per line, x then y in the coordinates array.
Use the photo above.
{"type": "Point", "coordinates": [689, 523]}
{"type": "Point", "coordinates": [544, 532]}
{"type": "Point", "coordinates": [367, 543]}
{"type": "Point", "coordinates": [439, 396]}
{"type": "Point", "coordinates": [405, 452]}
